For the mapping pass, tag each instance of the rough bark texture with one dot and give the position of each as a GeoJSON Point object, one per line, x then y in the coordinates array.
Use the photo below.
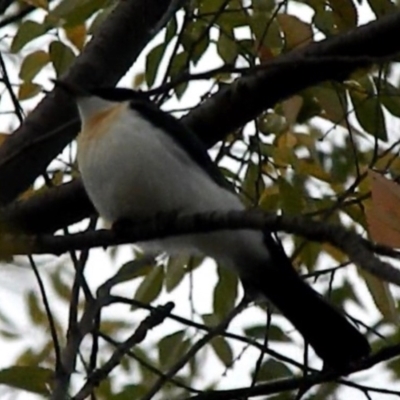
{"type": "Point", "coordinates": [331, 59]}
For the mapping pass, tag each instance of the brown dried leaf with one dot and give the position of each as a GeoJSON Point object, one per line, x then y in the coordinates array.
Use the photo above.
{"type": "Point", "coordinates": [383, 211]}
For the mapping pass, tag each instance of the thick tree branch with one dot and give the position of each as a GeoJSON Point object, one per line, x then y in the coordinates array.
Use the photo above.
{"type": "Point", "coordinates": [359, 250]}
{"type": "Point", "coordinates": [223, 112]}
{"type": "Point", "coordinates": [49, 210]}
{"type": "Point", "coordinates": [247, 97]}
{"type": "Point", "coordinates": [54, 123]}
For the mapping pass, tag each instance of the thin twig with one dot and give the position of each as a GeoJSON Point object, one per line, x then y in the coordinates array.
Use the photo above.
{"type": "Point", "coordinates": [155, 318]}
{"type": "Point", "coordinates": [46, 304]}
{"type": "Point", "coordinates": [193, 351]}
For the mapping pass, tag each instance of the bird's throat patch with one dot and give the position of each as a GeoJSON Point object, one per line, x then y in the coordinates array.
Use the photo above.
{"type": "Point", "coordinates": [98, 124]}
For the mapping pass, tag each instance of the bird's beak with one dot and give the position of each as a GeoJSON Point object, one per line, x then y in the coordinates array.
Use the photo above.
{"type": "Point", "coordinates": [70, 88]}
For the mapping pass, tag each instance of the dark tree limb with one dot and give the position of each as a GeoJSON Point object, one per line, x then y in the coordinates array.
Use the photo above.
{"type": "Point", "coordinates": [359, 250]}
{"type": "Point", "coordinates": [54, 123]}
{"type": "Point", "coordinates": [247, 97]}
{"type": "Point", "coordinates": [49, 210]}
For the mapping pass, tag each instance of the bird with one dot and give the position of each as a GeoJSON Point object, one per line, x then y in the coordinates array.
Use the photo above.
{"type": "Point", "coordinates": [137, 161]}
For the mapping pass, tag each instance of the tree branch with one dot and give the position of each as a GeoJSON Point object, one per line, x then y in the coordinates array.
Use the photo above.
{"type": "Point", "coordinates": [359, 250]}
{"type": "Point", "coordinates": [247, 97]}
{"type": "Point", "coordinates": [49, 210]}
{"type": "Point", "coordinates": [284, 385]}
{"type": "Point", "coordinates": [25, 154]}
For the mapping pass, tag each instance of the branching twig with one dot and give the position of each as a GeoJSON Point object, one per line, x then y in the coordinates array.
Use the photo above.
{"type": "Point", "coordinates": [193, 350]}
{"type": "Point", "coordinates": [149, 366]}
{"type": "Point", "coordinates": [155, 318]}
{"type": "Point", "coordinates": [289, 384]}
{"type": "Point", "coordinates": [52, 324]}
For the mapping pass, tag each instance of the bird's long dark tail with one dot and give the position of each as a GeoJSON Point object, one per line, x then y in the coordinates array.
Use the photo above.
{"type": "Point", "coordinates": [323, 326]}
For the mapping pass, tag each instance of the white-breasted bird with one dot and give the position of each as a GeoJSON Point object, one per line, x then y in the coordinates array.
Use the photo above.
{"type": "Point", "coordinates": [137, 161]}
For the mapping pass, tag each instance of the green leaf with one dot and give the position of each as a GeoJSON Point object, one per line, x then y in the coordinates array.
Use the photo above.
{"type": "Point", "coordinates": [340, 295]}
{"type": "Point", "coordinates": [38, 3]}
{"type": "Point", "coordinates": [28, 31]}
{"type": "Point", "coordinates": [333, 101]}
{"type": "Point", "coordinates": [324, 21]}
{"type": "Point", "coordinates": [171, 30]}
{"type": "Point", "coordinates": [236, 16]}
{"type": "Point", "coordinates": [61, 56]}
{"type": "Point", "coordinates": [32, 379]}
{"type": "Point", "coordinates": [253, 184]}
{"type": "Point", "coordinates": [37, 315]}
{"type": "Point", "coordinates": [222, 350]}
{"type": "Point", "coordinates": [382, 7]}
{"type": "Point", "coordinates": [129, 392]}
{"type": "Point", "coordinates": [309, 109]}
{"type": "Point", "coordinates": [272, 369]}
{"type": "Point", "coordinates": [394, 365]}
{"type": "Point", "coordinates": [297, 33]}
{"type": "Point", "coordinates": [227, 48]}
{"type": "Point", "coordinates": [179, 65]}
{"type": "Point", "coordinates": [77, 35]}
{"type": "Point", "coordinates": [382, 296]}
{"type": "Point", "coordinates": [211, 319]}
{"type": "Point", "coordinates": [292, 198]}
{"type": "Point", "coordinates": [61, 288]}
{"type": "Point", "coordinates": [176, 270]}
{"type": "Point", "coordinates": [76, 12]}
{"type": "Point", "coordinates": [101, 17]}
{"type": "Point", "coordinates": [344, 14]}
{"type": "Point", "coordinates": [195, 40]}
{"type": "Point", "coordinates": [225, 292]}
{"type": "Point", "coordinates": [275, 333]}
{"type": "Point", "coordinates": [309, 254]}
{"type": "Point", "coordinates": [153, 60]}
{"type": "Point", "coordinates": [28, 90]}
{"type": "Point", "coordinates": [32, 65]}
{"type": "Point", "coordinates": [132, 269]}
{"type": "Point", "coordinates": [389, 96]}
{"type": "Point", "coordinates": [9, 334]}
{"type": "Point", "coordinates": [151, 286]}
{"type": "Point", "coordinates": [270, 39]}
{"type": "Point", "coordinates": [368, 110]}
{"type": "Point", "coordinates": [171, 347]}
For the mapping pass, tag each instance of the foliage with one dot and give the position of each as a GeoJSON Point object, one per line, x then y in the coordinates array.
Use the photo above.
{"type": "Point", "coordinates": [307, 154]}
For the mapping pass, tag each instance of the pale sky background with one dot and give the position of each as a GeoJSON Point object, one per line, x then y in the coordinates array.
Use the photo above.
{"type": "Point", "coordinates": [16, 282]}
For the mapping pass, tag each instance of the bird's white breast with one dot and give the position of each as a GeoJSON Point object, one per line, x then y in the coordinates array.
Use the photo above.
{"type": "Point", "coordinates": [134, 170]}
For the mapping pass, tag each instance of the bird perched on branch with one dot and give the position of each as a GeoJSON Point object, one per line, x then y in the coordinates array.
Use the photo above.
{"type": "Point", "coordinates": [137, 161]}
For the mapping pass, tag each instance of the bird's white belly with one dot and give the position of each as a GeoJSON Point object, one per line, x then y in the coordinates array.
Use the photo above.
{"type": "Point", "coordinates": [140, 171]}
{"type": "Point", "coordinates": [137, 171]}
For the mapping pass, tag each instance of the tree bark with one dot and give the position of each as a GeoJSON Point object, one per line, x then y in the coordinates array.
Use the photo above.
{"type": "Point", "coordinates": [54, 123]}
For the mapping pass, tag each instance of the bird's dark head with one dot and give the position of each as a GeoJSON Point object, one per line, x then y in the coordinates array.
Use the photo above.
{"type": "Point", "coordinates": [91, 101]}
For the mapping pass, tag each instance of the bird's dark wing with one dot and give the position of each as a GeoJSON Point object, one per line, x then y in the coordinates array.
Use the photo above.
{"type": "Point", "coordinates": [183, 136]}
